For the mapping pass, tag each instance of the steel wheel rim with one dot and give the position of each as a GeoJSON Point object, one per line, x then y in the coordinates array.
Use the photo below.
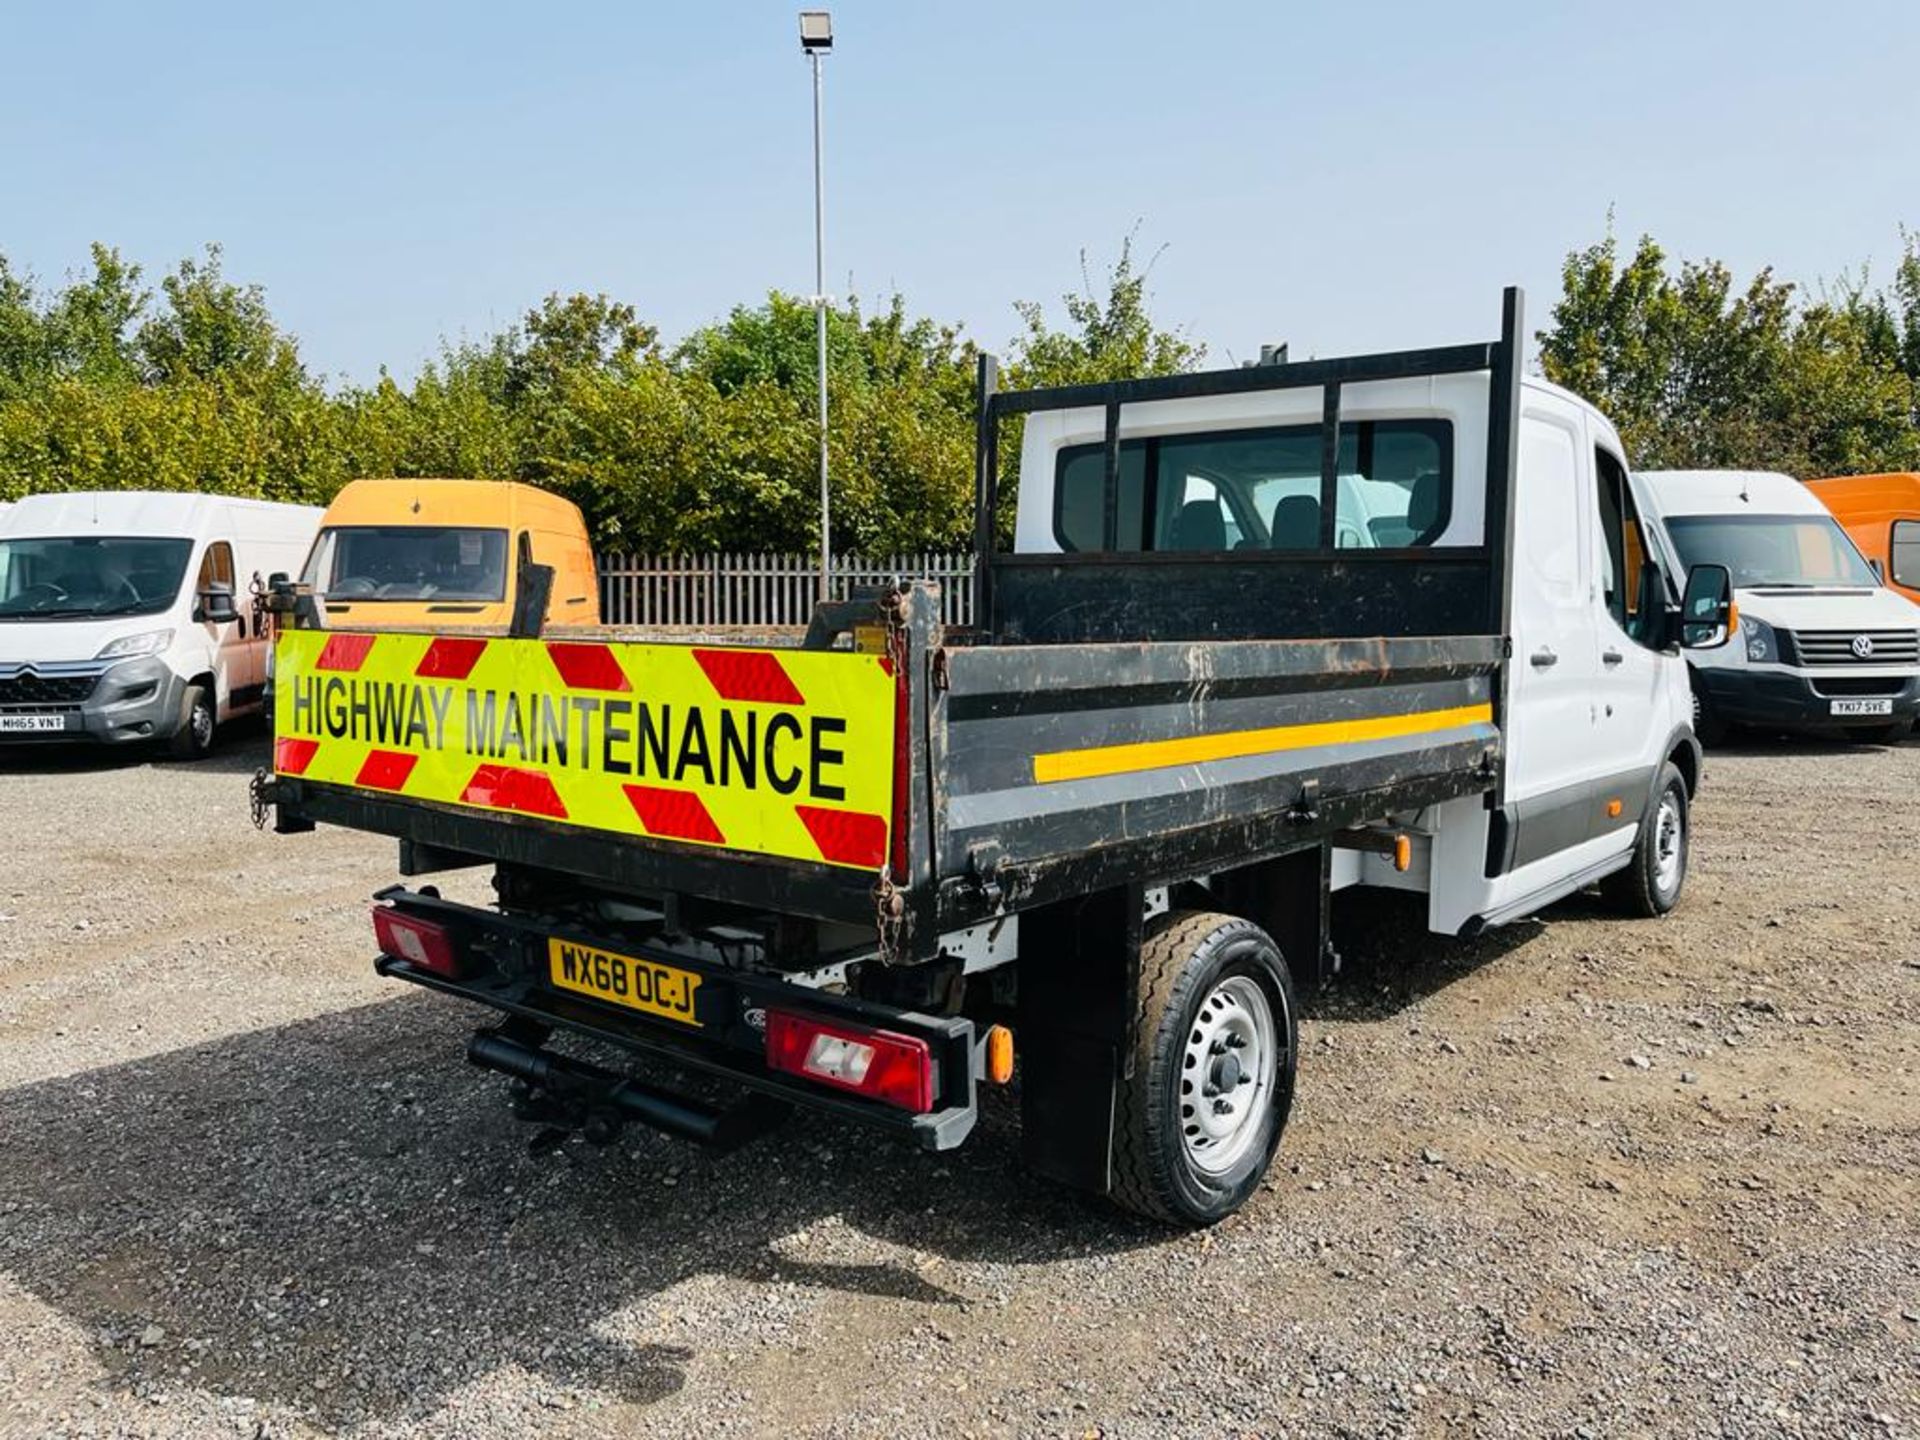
{"type": "Point", "coordinates": [1669, 843]}
{"type": "Point", "coordinates": [1228, 1068]}
{"type": "Point", "coordinates": [202, 723]}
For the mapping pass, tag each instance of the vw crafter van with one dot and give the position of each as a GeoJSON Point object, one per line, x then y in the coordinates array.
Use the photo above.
{"type": "Point", "coordinates": [1822, 646]}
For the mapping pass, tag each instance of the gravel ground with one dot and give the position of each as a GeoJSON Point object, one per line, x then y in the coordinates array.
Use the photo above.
{"type": "Point", "coordinates": [1583, 1177]}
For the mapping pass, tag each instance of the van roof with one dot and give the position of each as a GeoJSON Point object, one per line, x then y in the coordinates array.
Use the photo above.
{"type": "Point", "coordinates": [1723, 492]}
{"type": "Point", "coordinates": [180, 513]}
{"type": "Point", "coordinates": [443, 501]}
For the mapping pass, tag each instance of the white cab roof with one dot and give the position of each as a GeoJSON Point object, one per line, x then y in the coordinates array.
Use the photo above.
{"type": "Point", "coordinates": [1729, 492]}
{"type": "Point", "coordinates": [178, 514]}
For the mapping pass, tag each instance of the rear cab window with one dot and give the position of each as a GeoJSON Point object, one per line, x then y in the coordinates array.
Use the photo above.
{"type": "Point", "coordinates": [1260, 490]}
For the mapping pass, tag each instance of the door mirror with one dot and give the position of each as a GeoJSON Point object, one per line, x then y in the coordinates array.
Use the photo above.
{"type": "Point", "coordinates": [1706, 610]}
{"type": "Point", "coordinates": [216, 604]}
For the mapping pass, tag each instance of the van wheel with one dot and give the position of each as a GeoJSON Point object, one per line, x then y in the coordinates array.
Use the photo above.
{"type": "Point", "coordinates": [1212, 1073]}
{"type": "Point", "coordinates": [1708, 728]}
{"type": "Point", "coordinates": [1650, 886]}
{"type": "Point", "coordinates": [193, 740]}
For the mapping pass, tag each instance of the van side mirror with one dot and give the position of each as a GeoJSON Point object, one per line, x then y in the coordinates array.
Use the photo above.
{"type": "Point", "coordinates": [216, 604]}
{"type": "Point", "coordinates": [1706, 610]}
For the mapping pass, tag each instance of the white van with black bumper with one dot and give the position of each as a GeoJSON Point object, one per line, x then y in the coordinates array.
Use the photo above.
{"type": "Point", "coordinates": [1823, 646]}
{"type": "Point", "coordinates": [129, 617]}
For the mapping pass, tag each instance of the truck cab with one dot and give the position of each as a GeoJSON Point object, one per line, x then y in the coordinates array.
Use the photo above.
{"type": "Point", "coordinates": [129, 617]}
{"type": "Point", "coordinates": [395, 554]}
{"type": "Point", "coordinates": [1823, 646]}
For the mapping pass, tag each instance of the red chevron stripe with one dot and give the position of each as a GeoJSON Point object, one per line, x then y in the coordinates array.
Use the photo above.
{"type": "Point", "coordinates": [292, 755]}
{"type": "Point", "coordinates": [588, 667]}
{"type": "Point", "coordinates": [385, 769]}
{"type": "Point", "coordinates": [756, 676]}
{"type": "Point", "coordinates": [344, 652]}
{"type": "Point", "coordinates": [503, 787]}
{"type": "Point", "coordinates": [450, 658]}
{"type": "Point", "coordinates": [673, 814]}
{"type": "Point", "coordinates": [846, 837]}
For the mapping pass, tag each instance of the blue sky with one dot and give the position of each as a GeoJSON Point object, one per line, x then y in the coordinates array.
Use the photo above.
{"type": "Point", "coordinates": [1342, 176]}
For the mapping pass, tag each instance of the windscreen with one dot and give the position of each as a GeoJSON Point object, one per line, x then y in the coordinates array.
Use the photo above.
{"type": "Point", "coordinates": [88, 577]}
{"type": "Point", "coordinates": [1793, 551]}
{"type": "Point", "coordinates": [409, 562]}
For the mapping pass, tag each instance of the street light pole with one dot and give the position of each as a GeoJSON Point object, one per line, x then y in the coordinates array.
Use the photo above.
{"type": "Point", "coordinates": [816, 39]}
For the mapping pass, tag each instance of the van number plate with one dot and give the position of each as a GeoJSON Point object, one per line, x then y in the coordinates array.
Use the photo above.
{"type": "Point", "coordinates": [1860, 707]}
{"type": "Point", "coordinates": [35, 724]}
{"type": "Point", "coordinates": [643, 985]}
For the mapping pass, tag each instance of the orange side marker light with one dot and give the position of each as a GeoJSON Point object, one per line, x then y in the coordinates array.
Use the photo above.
{"type": "Point", "coordinates": [1613, 809]}
{"type": "Point", "coordinates": [1402, 853]}
{"type": "Point", "coordinates": [999, 1054]}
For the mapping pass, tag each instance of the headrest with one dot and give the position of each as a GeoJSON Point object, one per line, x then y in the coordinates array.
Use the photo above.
{"type": "Point", "coordinates": [1296, 523]}
{"type": "Point", "coordinates": [1200, 526]}
{"type": "Point", "coordinates": [1423, 507]}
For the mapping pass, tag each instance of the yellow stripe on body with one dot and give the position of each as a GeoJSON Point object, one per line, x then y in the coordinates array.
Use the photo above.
{"type": "Point", "coordinates": [1237, 744]}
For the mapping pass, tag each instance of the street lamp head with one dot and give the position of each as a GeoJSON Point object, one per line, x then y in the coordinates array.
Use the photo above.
{"type": "Point", "coordinates": [816, 31]}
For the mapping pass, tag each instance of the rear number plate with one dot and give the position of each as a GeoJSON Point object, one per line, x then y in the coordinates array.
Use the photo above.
{"type": "Point", "coordinates": [1860, 707]}
{"type": "Point", "coordinates": [643, 985]}
{"type": "Point", "coordinates": [32, 723]}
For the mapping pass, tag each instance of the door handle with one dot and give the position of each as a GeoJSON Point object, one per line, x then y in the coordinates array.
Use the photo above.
{"type": "Point", "coordinates": [1611, 657]}
{"type": "Point", "coordinates": [1543, 659]}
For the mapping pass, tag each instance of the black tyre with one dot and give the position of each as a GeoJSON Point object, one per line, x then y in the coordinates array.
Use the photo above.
{"type": "Point", "coordinates": [1651, 885]}
{"type": "Point", "coordinates": [192, 739]}
{"type": "Point", "coordinates": [1213, 1069]}
{"type": "Point", "coordinates": [1708, 727]}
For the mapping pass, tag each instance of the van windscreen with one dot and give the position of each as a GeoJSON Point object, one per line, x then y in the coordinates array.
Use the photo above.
{"type": "Point", "coordinates": [89, 576]}
{"type": "Point", "coordinates": [1791, 551]}
{"type": "Point", "coordinates": [409, 562]}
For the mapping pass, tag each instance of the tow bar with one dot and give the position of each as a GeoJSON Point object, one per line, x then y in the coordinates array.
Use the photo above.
{"type": "Point", "coordinates": [568, 1096]}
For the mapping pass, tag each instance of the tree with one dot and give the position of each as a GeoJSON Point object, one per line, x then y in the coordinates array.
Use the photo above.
{"type": "Point", "coordinates": [1697, 372]}
{"type": "Point", "coordinates": [1113, 336]}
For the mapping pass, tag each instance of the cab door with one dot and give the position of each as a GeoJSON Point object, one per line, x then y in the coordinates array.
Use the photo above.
{"type": "Point", "coordinates": [237, 664]}
{"type": "Point", "coordinates": [1551, 713]}
{"type": "Point", "coordinates": [1631, 700]}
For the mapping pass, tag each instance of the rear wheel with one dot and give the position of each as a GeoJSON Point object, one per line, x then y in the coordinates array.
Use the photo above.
{"type": "Point", "coordinates": [193, 740]}
{"type": "Point", "coordinates": [1213, 1069]}
{"type": "Point", "coordinates": [1651, 885]}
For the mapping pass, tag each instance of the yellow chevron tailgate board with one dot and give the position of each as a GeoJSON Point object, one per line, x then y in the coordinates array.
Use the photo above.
{"type": "Point", "coordinates": [777, 752]}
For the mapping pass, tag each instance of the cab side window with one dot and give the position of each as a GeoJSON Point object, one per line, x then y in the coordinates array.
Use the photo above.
{"type": "Point", "coordinates": [1904, 554]}
{"type": "Point", "coordinates": [1623, 548]}
{"type": "Point", "coordinates": [216, 566]}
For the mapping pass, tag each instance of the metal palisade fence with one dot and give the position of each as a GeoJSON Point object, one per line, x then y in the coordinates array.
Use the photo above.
{"type": "Point", "coordinates": [763, 590]}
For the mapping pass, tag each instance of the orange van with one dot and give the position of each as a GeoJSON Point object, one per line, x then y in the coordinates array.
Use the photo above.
{"type": "Point", "coordinates": [1882, 515]}
{"type": "Point", "coordinates": [432, 554]}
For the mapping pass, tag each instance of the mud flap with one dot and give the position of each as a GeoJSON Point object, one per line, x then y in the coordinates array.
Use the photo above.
{"type": "Point", "coordinates": [1079, 998]}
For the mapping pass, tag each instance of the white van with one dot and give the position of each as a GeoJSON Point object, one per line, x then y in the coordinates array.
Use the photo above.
{"type": "Point", "coordinates": [1822, 646]}
{"type": "Point", "coordinates": [127, 616]}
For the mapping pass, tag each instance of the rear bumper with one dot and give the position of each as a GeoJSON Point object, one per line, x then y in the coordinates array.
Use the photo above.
{"type": "Point", "coordinates": [507, 973]}
{"type": "Point", "coordinates": [1802, 700]}
{"type": "Point", "coordinates": [134, 701]}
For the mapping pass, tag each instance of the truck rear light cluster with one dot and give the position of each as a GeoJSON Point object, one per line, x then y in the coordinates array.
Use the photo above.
{"type": "Point", "coordinates": [418, 942]}
{"type": "Point", "coordinates": [882, 1065]}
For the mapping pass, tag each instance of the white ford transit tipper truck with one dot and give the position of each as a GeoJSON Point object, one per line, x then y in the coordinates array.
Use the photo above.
{"type": "Point", "coordinates": [1263, 634]}
{"type": "Point", "coordinates": [1822, 645]}
{"type": "Point", "coordinates": [128, 616]}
